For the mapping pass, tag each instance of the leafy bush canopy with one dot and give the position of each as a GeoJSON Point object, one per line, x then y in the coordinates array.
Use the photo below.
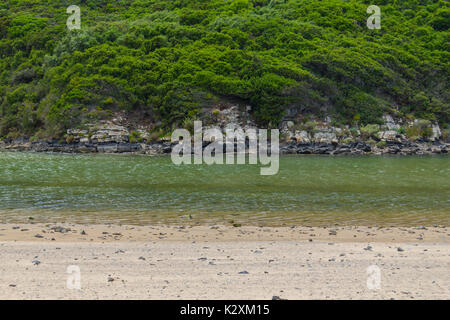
{"type": "Point", "coordinates": [170, 59]}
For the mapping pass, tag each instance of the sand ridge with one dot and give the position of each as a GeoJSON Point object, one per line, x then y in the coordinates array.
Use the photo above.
{"type": "Point", "coordinates": [127, 233]}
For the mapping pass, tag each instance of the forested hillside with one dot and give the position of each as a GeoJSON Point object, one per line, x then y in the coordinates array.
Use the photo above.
{"type": "Point", "coordinates": [169, 59]}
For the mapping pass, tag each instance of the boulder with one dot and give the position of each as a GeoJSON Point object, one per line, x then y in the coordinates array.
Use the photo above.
{"type": "Point", "coordinates": [435, 132]}
{"type": "Point", "coordinates": [390, 123]}
{"type": "Point", "coordinates": [286, 126]}
{"type": "Point", "coordinates": [123, 147]}
{"type": "Point", "coordinates": [107, 148]}
{"type": "Point", "coordinates": [325, 136]}
{"type": "Point", "coordinates": [389, 135]}
{"type": "Point", "coordinates": [302, 137]}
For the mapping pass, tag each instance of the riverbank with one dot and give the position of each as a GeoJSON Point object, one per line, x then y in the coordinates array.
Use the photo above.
{"type": "Point", "coordinates": [123, 134]}
{"type": "Point", "coordinates": [161, 148]}
{"type": "Point", "coordinates": [217, 262]}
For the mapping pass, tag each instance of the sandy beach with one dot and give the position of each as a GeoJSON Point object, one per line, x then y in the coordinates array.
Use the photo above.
{"type": "Point", "coordinates": [223, 262]}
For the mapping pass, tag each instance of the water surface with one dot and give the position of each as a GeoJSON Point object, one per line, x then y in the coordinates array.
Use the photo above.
{"type": "Point", "coordinates": [312, 190]}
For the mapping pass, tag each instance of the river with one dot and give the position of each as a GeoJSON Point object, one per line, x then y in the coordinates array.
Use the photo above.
{"type": "Point", "coordinates": [308, 190]}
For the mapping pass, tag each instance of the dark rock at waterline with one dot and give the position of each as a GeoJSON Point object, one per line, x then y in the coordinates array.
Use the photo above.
{"type": "Point", "coordinates": [167, 149]}
{"type": "Point", "coordinates": [342, 150]}
{"type": "Point", "coordinates": [128, 147]}
{"type": "Point", "coordinates": [107, 148]}
{"type": "Point", "coordinates": [84, 148]}
{"type": "Point", "coordinates": [403, 147]}
{"type": "Point", "coordinates": [326, 148]}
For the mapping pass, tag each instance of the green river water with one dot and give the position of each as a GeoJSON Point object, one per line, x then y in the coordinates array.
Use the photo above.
{"type": "Point", "coordinates": [308, 190]}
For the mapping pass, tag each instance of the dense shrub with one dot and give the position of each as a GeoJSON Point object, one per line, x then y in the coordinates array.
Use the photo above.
{"type": "Point", "coordinates": [171, 59]}
{"type": "Point", "coordinates": [369, 131]}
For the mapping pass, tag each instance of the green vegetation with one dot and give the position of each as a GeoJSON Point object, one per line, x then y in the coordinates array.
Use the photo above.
{"type": "Point", "coordinates": [308, 126]}
{"type": "Point", "coordinates": [369, 131]}
{"type": "Point", "coordinates": [155, 135]}
{"type": "Point", "coordinates": [446, 132]}
{"type": "Point", "coordinates": [135, 137]}
{"type": "Point", "coordinates": [168, 60]}
{"type": "Point", "coordinates": [420, 129]}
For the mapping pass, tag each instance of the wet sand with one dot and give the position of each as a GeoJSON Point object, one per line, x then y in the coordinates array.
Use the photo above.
{"type": "Point", "coordinates": [223, 262]}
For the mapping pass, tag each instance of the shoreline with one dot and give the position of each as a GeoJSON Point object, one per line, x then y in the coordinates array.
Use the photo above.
{"type": "Point", "coordinates": [69, 232]}
{"type": "Point", "coordinates": [286, 148]}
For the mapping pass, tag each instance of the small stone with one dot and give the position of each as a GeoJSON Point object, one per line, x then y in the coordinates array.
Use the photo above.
{"type": "Point", "coordinates": [243, 272]}
{"type": "Point", "coordinates": [36, 262]}
{"type": "Point", "coordinates": [110, 279]}
{"type": "Point", "coordinates": [83, 232]}
{"type": "Point", "coordinates": [38, 236]}
{"type": "Point", "coordinates": [60, 229]}
{"type": "Point", "coordinates": [400, 249]}
{"type": "Point", "coordinates": [369, 248]}
{"type": "Point", "coordinates": [141, 258]}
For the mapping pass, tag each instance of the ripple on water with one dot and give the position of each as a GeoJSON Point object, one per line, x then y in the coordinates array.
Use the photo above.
{"type": "Point", "coordinates": [141, 190]}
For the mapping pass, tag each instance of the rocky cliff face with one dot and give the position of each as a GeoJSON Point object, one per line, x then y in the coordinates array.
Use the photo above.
{"type": "Point", "coordinates": [388, 138]}
{"type": "Point", "coordinates": [118, 135]}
